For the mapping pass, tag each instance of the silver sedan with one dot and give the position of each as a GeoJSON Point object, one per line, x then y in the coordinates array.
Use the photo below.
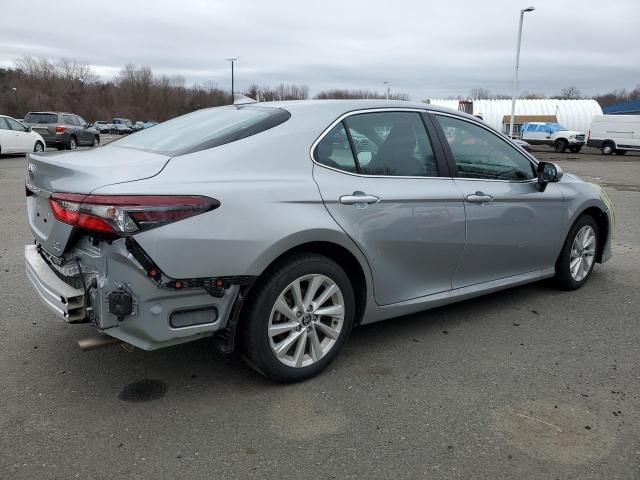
{"type": "Point", "coordinates": [277, 227]}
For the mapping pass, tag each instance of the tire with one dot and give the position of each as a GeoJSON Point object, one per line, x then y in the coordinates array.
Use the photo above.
{"type": "Point", "coordinates": [607, 148]}
{"type": "Point", "coordinates": [73, 143]}
{"type": "Point", "coordinates": [620, 152]}
{"type": "Point", "coordinates": [575, 149]}
{"type": "Point", "coordinates": [573, 250]}
{"type": "Point", "coordinates": [96, 141]}
{"type": "Point", "coordinates": [300, 357]}
{"type": "Point", "coordinates": [38, 147]}
{"type": "Point", "coordinates": [560, 146]}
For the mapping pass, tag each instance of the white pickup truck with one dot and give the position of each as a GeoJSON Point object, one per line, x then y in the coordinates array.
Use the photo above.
{"type": "Point", "coordinates": [553, 134]}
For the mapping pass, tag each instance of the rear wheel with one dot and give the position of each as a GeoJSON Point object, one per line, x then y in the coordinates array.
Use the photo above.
{"type": "Point", "coordinates": [575, 149]}
{"type": "Point", "coordinates": [73, 144]}
{"type": "Point", "coordinates": [607, 148]}
{"type": "Point", "coordinates": [620, 152]}
{"type": "Point", "coordinates": [560, 146]}
{"type": "Point", "coordinates": [38, 147]}
{"type": "Point", "coordinates": [577, 258]}
{"type": "Point", "coordinates": [299, 318]}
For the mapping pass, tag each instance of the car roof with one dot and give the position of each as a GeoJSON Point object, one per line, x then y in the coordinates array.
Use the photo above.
{"type": "Point", "coordinates": [52, 113]}
{"type": "Point", "coordinates": [340, 107]}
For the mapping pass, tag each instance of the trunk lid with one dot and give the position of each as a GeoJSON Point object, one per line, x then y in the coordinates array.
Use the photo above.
{"type": "Point", "coordinates": [79, 172]}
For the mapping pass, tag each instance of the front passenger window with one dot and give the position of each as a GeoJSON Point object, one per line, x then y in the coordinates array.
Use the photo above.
{"type": "Point", "coordinates": [478, 153]}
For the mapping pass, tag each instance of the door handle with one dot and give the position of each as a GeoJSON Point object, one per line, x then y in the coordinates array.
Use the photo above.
{"type": "Point", "coordinates": [479, 197]}
{"type": "Point", "coordinates": [358, 198]}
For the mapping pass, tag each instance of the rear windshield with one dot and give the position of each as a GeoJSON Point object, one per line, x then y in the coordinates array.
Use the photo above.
{"type": "Point", "coordinates": [41, 118]}
{"type": "Point", "coordinates": [205, 129]}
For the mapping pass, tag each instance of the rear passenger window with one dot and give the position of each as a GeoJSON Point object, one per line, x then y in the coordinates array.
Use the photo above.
{"type": "Point", "coordinates": [3, 124]}
{"type": "Point", "coordinates": [69, 120]}
{"type": "Point", "coordinates": [392, 144]}
{"type": "Point", "coordinates": [334, 150]}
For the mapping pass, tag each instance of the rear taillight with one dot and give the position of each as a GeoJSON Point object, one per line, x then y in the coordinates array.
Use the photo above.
{"type": "Point", "coordinates": [126, 215]}
{"type": "Point", "coordinates": [60, 128]}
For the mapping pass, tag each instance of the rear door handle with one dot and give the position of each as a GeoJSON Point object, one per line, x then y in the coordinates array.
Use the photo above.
{"type": "Point", "coordinates": [358, 198]}
{"type": "Point", "coordinates": [479, 197]}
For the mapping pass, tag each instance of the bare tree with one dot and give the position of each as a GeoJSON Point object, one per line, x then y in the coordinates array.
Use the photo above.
{"type": "Point", "coordinates": [570, 93]}
{"type": "Point", "coordinates": [478, 93]}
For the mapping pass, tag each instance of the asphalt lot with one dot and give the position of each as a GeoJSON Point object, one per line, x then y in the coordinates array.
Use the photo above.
{"type": "Point", "coordinates": [527, 383]}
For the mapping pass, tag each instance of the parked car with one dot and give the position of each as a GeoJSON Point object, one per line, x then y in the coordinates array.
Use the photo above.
{"type": "Point", "coordinates": [553, 134]}
{"type": "Point", "coordinates": [149, 124]}
{"type": "Point", "coordinates": [615, 133]}
{"type": "Point", "coordinates": [63, 130]}
{"type": "Point", "coordinates": [253, 224]}
{"type": "Point", "coordinates": [15, 137]}
{"type": "Point", "coordinates": [103, 126]}
{"type": "Point", "coordinates": [122, 125]}
{"type": "Point", "coordinates": [138, 126]}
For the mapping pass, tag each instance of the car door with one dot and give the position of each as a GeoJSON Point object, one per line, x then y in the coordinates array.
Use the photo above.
{"type": "Point", "coordinates": [512, 228]}
{"type": "Point", "coordinates": [388, 188]}
{"type": "Point", "coordinates": [23, 141]}
{"type": "Point", "coordinates": [7, 137]}
{"type": "Point", "coordinates": [84, 132]}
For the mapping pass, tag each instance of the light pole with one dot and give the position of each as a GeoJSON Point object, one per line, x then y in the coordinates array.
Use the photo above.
{"type": "Point", "coordinates": [15, 91]}
{"type": "Point", "coordinates": [232, 60]}
{"type": "Point", "coordinates": [388, 88]}
{"type": "Point", "coordinates": [515, 80]}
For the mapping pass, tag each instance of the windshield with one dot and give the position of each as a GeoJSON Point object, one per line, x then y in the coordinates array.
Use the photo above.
{"type": "Point", "coordinates": [204, 129]}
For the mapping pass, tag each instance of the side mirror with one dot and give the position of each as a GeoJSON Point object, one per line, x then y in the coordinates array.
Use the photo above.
{"type": "Point", "coordinates": [547, 172]}
{"type": "Point", "coordinates": [27, 128]}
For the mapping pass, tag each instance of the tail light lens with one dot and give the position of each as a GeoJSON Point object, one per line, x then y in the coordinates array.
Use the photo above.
{"type": "Point", "coordinates": [60, 128]}
{"type": "Point", "coordinates": [126, 215]}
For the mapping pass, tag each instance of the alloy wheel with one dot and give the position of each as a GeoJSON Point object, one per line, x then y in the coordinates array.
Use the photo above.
{"type": "Point", "coordinates": [583, 252]}
{"type": "Point", "coordinates": [38, 147]}
{"type": "Point", "coordinates": [306, 320]}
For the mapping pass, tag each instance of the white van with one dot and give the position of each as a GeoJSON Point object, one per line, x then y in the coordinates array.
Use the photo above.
{"type": "Point", "coordinates": [615, 133]}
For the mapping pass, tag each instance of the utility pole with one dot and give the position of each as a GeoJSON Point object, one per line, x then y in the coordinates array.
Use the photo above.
{"type": "Point", "coordinates": [232, 60]}
{"type": "Point", "coordinates": [388, 89]}
{"type": "Point", "coordinates": [515, 80]}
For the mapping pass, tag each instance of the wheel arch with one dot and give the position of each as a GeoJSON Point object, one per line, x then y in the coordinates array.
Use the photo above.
{"type": "Point", "coordinates": [352, 266]}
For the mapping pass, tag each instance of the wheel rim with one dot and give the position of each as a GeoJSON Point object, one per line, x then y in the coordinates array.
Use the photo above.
{"type": "Point", "coordinates": [306, 320]}
{"type": "Point", "coordinates": [38, 147]}
{"type": "Point", "coordinates": [72, 144]}
{"type": "Point", "coordinates": [607, 149]}
{"type": "Point", "coordinates": [582, 253]}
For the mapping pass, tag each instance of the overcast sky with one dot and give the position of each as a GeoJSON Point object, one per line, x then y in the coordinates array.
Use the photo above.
{"type": "Point", "coordinates": [425, 48]}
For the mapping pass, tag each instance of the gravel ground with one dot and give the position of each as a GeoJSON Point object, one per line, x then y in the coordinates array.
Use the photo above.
{"type": "Point", "coordinates": [529, 383]}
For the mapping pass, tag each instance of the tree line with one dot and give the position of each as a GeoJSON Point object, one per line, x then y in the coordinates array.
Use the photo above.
{"type": "Point", "coordinates": [37, 83]}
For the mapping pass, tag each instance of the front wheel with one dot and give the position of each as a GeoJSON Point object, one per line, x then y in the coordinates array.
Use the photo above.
{"type": "Point", "coordinates": [96, 141]}
{"type": "Point", "coordinates": [577, 258]}
{"type": "Point", "coordinates": [73, 144]}
{"type": "Point", "coordinates": [560, 146]}
{"type": "Point", "coordinates": [299, 318]}
{"type": "Point", "coordinates": [575, 149]}
{"type": "Point", "coordinates": [620, 152]}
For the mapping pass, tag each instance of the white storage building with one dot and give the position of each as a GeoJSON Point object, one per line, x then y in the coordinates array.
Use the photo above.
{"type": "Point", "coordinates": [571, 114]}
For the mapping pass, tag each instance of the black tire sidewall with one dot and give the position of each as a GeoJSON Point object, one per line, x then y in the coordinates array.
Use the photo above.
{"type": "Point", "coordinates": [563, 276]}
{"type": "Point", "coordinates": [560, 146]}
{"type": "Point", "coordinates": [255, 340]}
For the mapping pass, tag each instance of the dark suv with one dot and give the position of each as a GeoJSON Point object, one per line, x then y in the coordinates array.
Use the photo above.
{"type": "Point", "coordinates": [62, 130]}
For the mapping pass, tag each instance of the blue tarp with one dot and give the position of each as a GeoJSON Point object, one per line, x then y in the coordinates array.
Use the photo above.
{"type": "Point", "coordinates": [629, 107]}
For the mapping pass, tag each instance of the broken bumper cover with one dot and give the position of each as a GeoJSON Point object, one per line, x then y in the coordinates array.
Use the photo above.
{"type": "Point", "coordinates": [158, 317]}
{"type": "Point", "coordinates": [64, 300]}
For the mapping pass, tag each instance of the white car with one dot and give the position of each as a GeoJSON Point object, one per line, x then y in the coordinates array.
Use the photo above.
{"type": "Point", "coordinates": [15, 137]}
{"type": "Point", "coordinates": [103, 127]}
